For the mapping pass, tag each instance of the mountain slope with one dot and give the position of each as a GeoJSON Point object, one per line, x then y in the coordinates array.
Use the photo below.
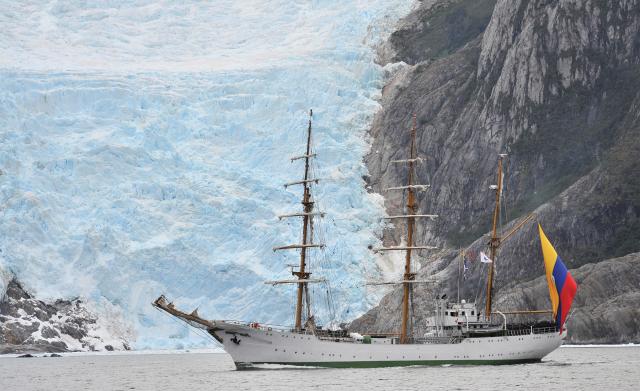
{"type": "Point", "coordinates": [554, 85]}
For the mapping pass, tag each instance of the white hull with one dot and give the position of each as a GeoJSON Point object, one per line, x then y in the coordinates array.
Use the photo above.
{"type": "Point", "coordinates": [270, 346]}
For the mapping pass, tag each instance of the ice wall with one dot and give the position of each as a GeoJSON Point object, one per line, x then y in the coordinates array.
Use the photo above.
{"type": "Point", "coordinates": [144, 144]}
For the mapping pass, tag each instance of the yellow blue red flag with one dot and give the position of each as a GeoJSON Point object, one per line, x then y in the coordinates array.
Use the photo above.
{"type": "Point", "coordinates": [562, 287]}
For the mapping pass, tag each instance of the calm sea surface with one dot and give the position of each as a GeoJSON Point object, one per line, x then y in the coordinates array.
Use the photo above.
{"type": "Point", "coordinates": [584, 368]}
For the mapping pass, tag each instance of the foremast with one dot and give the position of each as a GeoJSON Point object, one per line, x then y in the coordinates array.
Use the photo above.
{"type": "Point", "coordinates": [409, 276]}
{"type": "Point", "coordinates": [303, 276]}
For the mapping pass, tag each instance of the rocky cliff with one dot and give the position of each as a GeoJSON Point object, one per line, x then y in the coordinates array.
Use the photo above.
{"type": "Point", "coordinates": [31, 325]}
{"type": "Point", "coordinates": [554, 84]}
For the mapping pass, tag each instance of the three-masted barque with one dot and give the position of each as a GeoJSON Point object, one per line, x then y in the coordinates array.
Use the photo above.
{"type": "Point", "coordinates": [457, 333]}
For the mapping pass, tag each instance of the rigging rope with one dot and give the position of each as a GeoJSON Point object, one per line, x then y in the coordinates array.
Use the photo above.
{"type": "Point", "coordinates": [318, 233]}
{"type": "Point", "coordinates": [187, 327]}
{"type": "Point", "coordinates": [480, 287]}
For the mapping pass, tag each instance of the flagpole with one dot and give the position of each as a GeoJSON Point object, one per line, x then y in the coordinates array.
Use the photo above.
{"type": "Point", "coordinates": [459, 264]}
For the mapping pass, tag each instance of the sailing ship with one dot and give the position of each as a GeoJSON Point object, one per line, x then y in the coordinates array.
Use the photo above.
{"type": "Point", "coordinates": [457, 333]}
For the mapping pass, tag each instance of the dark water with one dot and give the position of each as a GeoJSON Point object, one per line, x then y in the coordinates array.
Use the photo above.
{"type": "Point", "coordinates": [569, 369]}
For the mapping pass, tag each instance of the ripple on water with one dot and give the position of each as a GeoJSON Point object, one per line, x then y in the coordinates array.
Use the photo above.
{"type": "Point", "coordinates": [583, 369]}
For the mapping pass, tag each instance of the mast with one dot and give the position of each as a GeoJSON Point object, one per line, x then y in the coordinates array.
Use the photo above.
{"type": "Point", "coordinates": [411, 211]}
{"type": "Point", "coordinates": [460, 266]}
{"type": "Point", "coordinates": [303, 276]}
{"type": "Point", "coordinates": [307, 203]}
{"type": "Point", "coordinates": [411, 215]}
{"type": "Point", "coordinates": [495, 239]}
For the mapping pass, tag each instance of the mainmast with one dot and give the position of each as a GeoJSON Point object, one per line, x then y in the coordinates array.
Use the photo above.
{"type": "Point", "coordinates": [411, 210]}
{"type": "Point", "coordinates": [307, 233]}
{"type": "Point", "coordinates": [411, 215]}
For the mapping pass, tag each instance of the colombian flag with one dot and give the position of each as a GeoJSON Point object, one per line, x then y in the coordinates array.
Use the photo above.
{"type": "Point", "coordinates": [562, 287]}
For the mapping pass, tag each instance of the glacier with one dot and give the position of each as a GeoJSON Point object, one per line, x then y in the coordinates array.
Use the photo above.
{"type": "Point", "coordinates": [144, 144]}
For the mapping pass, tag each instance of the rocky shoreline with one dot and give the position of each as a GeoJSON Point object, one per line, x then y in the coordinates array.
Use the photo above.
{"type": "Point", "coordinates": [29, 325]}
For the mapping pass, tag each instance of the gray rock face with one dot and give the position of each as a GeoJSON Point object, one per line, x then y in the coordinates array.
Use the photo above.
{"type": "Point", "coordinates": [553, 84]}
{"type": "Point", "coordinates": [606, 308]}
{"type": "Point", "coordinates": [437, 28]}
{"type": "Point", "coordinates": [31, 325]}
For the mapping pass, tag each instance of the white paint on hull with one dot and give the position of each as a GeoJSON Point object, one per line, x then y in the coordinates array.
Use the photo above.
{"type": "Point", "coordinates": [258, 345]}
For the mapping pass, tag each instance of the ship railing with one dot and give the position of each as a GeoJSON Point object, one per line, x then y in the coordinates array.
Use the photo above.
{"type": "Point", "coordinates": [257, 325]}
{"type": "Point", "coordinates": [320, 333]}
{"type": "Point", "coordinates": [544, 330]}
{"type": "Point", "coordinates": [530, 330]}
{"type": "Point", "coordinates": [517, 332]}
{"type": "Point", "coordinates": [335, 339]}
{"type": "Point", "coordinates": [331, 334]}
{"type": "Point", "coordinates": [438, 340]}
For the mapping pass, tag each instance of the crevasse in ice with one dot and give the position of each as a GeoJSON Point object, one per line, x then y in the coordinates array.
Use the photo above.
{"type": "Point", "coordinates": [144, 144]}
